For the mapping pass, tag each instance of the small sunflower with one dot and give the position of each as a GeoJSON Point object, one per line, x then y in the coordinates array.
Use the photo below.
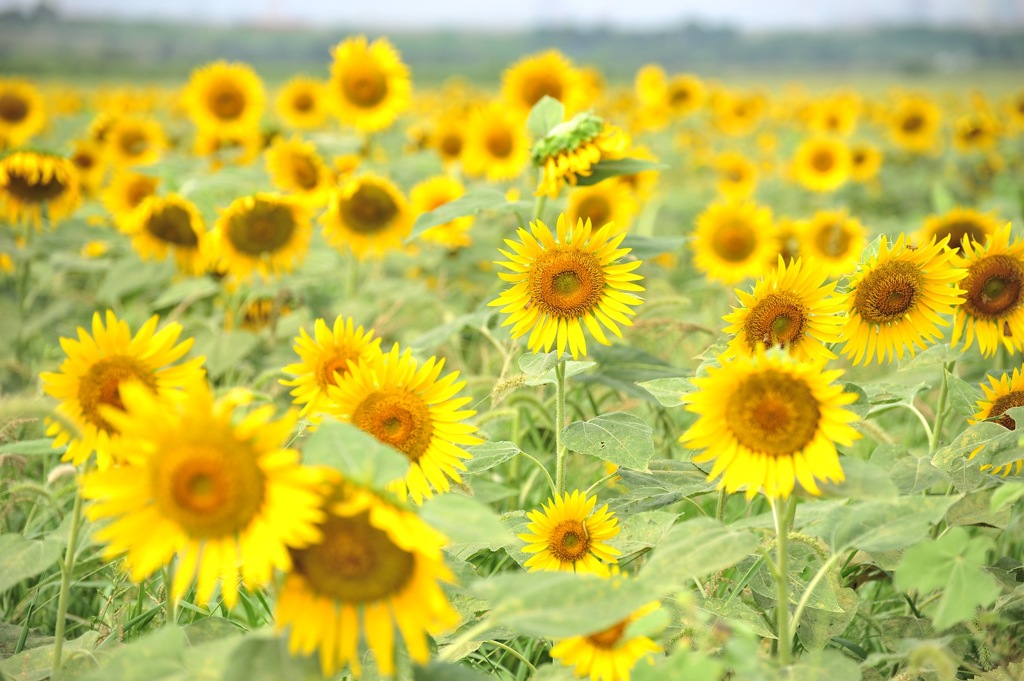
{"type": "Point", "coordinates": [975, 132]}
{"type": "Point", "coordinates": [603, 203]}
{"type": "Point", "coordinates": [169, 224]}
{"type": "Point", "coordinates": [264, 233]}
{"type": "Point", "coordinates": [369, 85]}
{"type": "Point", "coordinates": [914, 125]}
{"type": "Point", "coordinates": [367, 215]}
{"type": "Point", "coordinates": [650, 85]}
{"type": "Point", "coordinates": [227, 499]}
{"type": "Point", "coordinates": [568, 535]}
{"type": "Point", "coordinates": [134, 141]}
{"type": "Point", "coordinates": [834, 239]}
{"type": "Point", "coordinates": [547, 73]}
{"type": "Point", "coordinates": [571, 150]}
{"type": "Point", "coordinates": [324, 357]}
{"type": "Point", "coordinates": [433, 193]}
{"type": "Point", "coordinates": [296, 169]}
{"type": "Point", "coordinates": [736, 113]}
{"type": "Point", "coordinates": [409, 407]}
{"type": "Point", "coordinates": [834, 116]}
{"type": "Point", "coordinates": [993, 306]}
{"type": "Point", "coordinates": [787, 240]}
{"type": "Point", "coordinates": [737, 175]}
{"type": "Point", "coordinates": [822, 164]}
{"type": "Point", "coordinates": [22, 112]}
{"type": "Point", "coordinates": [865, 162]}
{"type": "Point", "coordinates": [378, 568]}
{"type": "Point", "coordinates": [684, 94]}
{"type": "Point", "coordinates": [496, 144]}
{"type": "Point", "coordinates": [225, 100]}
{"type": "Point", "coordinates": [238, 148]}
{"type": "Point", "coordinates": [31, 182]}
{"type": "Point", "coordinates": [565, 281]}
{"type": "Point", "coordinates": [90, 160]}
{"type": "Point", "coordinates": [257, 313]}
{"type": "Point", "coordinates": [448, 138]}
{"type": "Point", "coordinates": [98, 365]}
{"type": "Point", "coordinates": [792, 308]}
{"type": "Point", "coordinates": [769, 421]}
{"type": "Point", "coordinates": [1003, 393]}
{"type": "Point", "coordinates": [895, 300]}
{"type": "Point", "coordinates": [126, 192]}
{"type": "Point", "coordinates": [960, 225]}
{"type": "Point", "coordinates": [302, 103]}
{"type": "Point", "coordinates": [733, 241]}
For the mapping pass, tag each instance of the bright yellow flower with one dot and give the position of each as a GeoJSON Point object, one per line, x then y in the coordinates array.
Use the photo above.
{"type": "Point", "coordinates": [22, 112]}
{"type": "Point", "coordinates": [297, 169]}
{"type": "Point", "coordinates": [834, 239]}
{"type": "Point", "coordinates": [31, 183]}
{"type": "Point", "coordinates": [133, 141]}
{"type": "Point", "coordinates": [545, 73]}
{"type": "Point", "coordinates": [171, 224]}
{"type": "Point", "coordinates": [959, 224]}
{"type": "Point", "coordinates": [609, 202]}
{"type": "Point", "coordinates": [225, 100]}
{"type": "Point", "coordinates": [737, 175]}
{"type": "Point", "coordinates": [264, 233]}
{"type": "Point", "coordinates": [433, 193]}
{"type": "Point", "coordinates": [370, 85]}
{"type": "Point", "coordinates": [368, 216]}
{"type": "Point", "coordinates": [1005, 392]}
{"type": "Point", "coordinates": [822, 164]}
{"type": "Point", "coordinates": [733, 241]}
{"type": "Point", "coordinates": [126, 192]}
{"type": "Point", "coordinates": [568, 535]}
{"type": "Point", "coordinates": [496, 145]}
{"type": "Point", "coordinates": [302, 103]}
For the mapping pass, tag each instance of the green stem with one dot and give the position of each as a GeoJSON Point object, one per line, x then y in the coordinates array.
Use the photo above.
{"type": "Point", "coordinates": [514, 653]}
{"type": "Point", "coordinates": [811, 585]}
{"type": "Point", "coordinates": [940, 411]}
{"type": "Point", "coordinates": [170, 605]}
{"type": "Point", "coordinates": [540, 466]}
{"type": "Point", "coordinates": [541, 200]}
{"type": "Point", "coordinates": [720, 508]}
{"type": "Point", "coordinates": [67, 568]}
{"type": "Point", "coordinates": [560, 451]}
{"type": "Point", "coordinates": [781, 514]}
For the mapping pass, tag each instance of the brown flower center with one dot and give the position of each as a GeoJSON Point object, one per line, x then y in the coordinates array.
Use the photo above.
{"type": "Point", "coordinates": [27, 191]}
{"type": "Point", "coordinates": [101, 386]}
{"type": "Point", "coordinates": [889, 292]}
{"type": "Point", "coordinates": [607, 639]}
{"type": "Point", "coordinates": [994, 286]}
{"type": "Point", "coordinates": [734, 241]}
{"type": "Point", "coordinates": [773, 413]}
{"type": "Point", "coordinates": [370, 209]}
{"type": "Point", "coordinates": [13, 109]}
{"type": "Point", "coordinates": [540, 84]}
{"type": "Point", "coordinates": [172, 224]}
{"type": "Point", "coordinates": [227, 101]}
{"type": "Point", "coordinates": [823, 160]}
{"type": "Point", "coordinates": [912, 123]}
{"type": "Point", "coordinates": [499, 142]}
{"type": "Point", "coordinates": [569, 541]}
{"type": "Point", "coordinates": [595, 208]}
{"type": "Point", "coordinates": [777, 319]}
{"type": "Point", "coordinates": [833, 240]}
{"type": "Point", "coordinates": [1003, 403]}
{"type": "Point", "coordinates": [365, 87]}
{"type": "Point", "coordinates": [265, 228]}
{"type": "Point", "coordinates": [303, 102]}
{"type": "Point", "coordinates": [398, 418]}
{"type": "Point", "coordinates": [566, 282]}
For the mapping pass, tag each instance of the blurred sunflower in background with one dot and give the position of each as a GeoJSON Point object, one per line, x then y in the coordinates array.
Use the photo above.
{"type": "Point", "coordinates": [1005, 392]}
{"type": "Point", "coordinates": [302, 103]}
{"type": "Point", "coordinates": [737, 175]}
{"type": "Point", "coordinates": [369, 84]}
{"type": "Point", "coordinates": [264, 233]}
{"type": "Point", "coordinates": [126, 192]}
{"type": "Point", "coordinates": [684, 94]}
{"type": "Point", "coordinates": [548, 73]}
{"type": "Point", "coordinates": [822, 164]}
{"type": "Point", "coordinates": [448, 137]}
{"type": "Point", "coordinates": [135, 141]}
{"type": "Point", "coordinates": [33, 185]}
{"type": "Point", "coordinates": [733, 241]}
{"type": "Point", "coordinates": [975, 132]}
{"type": "Point", "coordinates": [609, 202]}
{"type": "Point", "coordinates": [960, 225]}
{"type": "Point", "coordinates": [368, 216]}
{"type": "Point", "coordinates": [834, 239]}
{"type": "Point", "coordinates": [296, 168]}
{"type": "Point", "coordinates": [22, 112]}
{"type": "Point", "coordinates": [90, 159]}
{"type": "Point", "coordinates": [865, 162]}
{"type": "Point", "coordinates": [169, 224]}
{"type": "Point", "coordinates": [914, 125]}
{"type": "Point", "coordinates": [993, 305]}
{"type": "Point", "coordinates": [433, 193]}
{"type": "Point", "coordinates": [225, 100]}
{"type": "Point", "coordinates": [568, 535]}
{"type": "Point", "coordinates": [496, 145]}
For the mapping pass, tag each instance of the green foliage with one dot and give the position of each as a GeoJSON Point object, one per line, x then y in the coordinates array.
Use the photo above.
{"type": "Point", "coordinates": [618, 437]}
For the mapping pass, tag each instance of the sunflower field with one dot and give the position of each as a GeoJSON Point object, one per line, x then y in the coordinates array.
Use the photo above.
{"type": "Point", "coordinates": [348, 377]}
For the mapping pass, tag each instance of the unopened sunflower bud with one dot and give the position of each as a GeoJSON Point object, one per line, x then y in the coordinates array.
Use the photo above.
{"type": "Point", "coordinates": [572, 148]}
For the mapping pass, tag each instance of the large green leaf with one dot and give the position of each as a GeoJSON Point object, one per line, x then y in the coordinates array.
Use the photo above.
{"type": "Point", "coordinates": [357, 455]}
{"type": "Point", "coordinates": [622, 367]}
{"type": "Point", "coordinates": [465, 520]}
{"type": "Point", "coordinates": [440, 671]}
{"type": "Point", "coordinates": [619, 166]}
{"type": "Point", "coordinates": [22, 558]}
{"type": "Point", "coordinates": [476, 200]}
{"type": "Point", "coordinates": [881, 525]}
{"type": "Point", "coordinates": [669, 392]}
{"type": "Point", "coordinates": [963, 396]}
{"type": "Point", "coordinates": [665, 482]}
{"type": "Point", "coordinates": [489, 455]}
{"type": "Point", "coordinates": [987, 440]}
{"type": "Point", "coordinates": [619, 437]}
{"type": "Point", "coordinates": [695, 549]}
{"type": "Point", "coordinates": [36, 664]}
{"type": "Point", "coordinates": [267, 659]}
{"type": "Point", "coordinates": [545, 114]}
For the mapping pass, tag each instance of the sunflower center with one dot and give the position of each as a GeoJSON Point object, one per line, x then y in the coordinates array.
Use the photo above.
{"type": "Point", "coordinates": [772, 413]}
{"type": "Point", "coordinates": [597, 209]}
{"type": "Point", "coordinates": [566, 282]}
{"type": "Point", "coordinates": [172, 224]}
{"type": "Point", "coordinates": [734, 175]}
{"type": "Point", "coordinates": [607, 639]}
{"type": "Point", "coordinates": [28, 191]}
{"type": "Point", "coordinates": [211, 490]}
{"type": "Point", "coordinates": [994, 286]}
{"type": "Point", "coordinates": [833, 240]}
{"type": "Point", "coordinates": [569, 541]}
{"type": "Point", "coordinates": [679, 95]}
{"type": "Point", "coordinates": [365, 87]}
{"type": "Point", "coordinates": [355, 562]}
{"type": "Point", "coordinates": [398, 418]}
{"type": "Point", "coordinates": [777, 319]}
{"type": "Point", "coordinates": [1004, 402]}
{"type": "Point", "coordinates": [13, 109]}
{"type": "Point", "coordinates": [823, 160]}
{"type": "Point", "coordinates": [133, 143]}
{"type": "Point", "coordinates": [734, 241]}
{"type": "Point", "coordinates": [304, 172]}
{"type": "Point", "coordinates": [101, 384]}
{"type": "Point", "coordinates": [83, 160]}
{"type": "Point", "coordinates": [961, 230]}
{"type": "Point", "coordinates": [541, 84]}
{"type": "Point", "coordinates": [335, 364]}
{"type": "Point", "coordinates": [451, 145]}
{"type": "Point", "coordinates": [499, 142]}
{"type": "Point", "coordinates": [912, 123]}
{"type": "Point", "coordinates": [889, 292]}
{"type": "Point", "coordinates": [227, 102]}
{"type": "Point", "coordinates": [265, 228]}
{"type": "Point", "coordinates": [369, 210]}
{"type": "Point", "coordinates": [303, 102]}
{"type": "Point", "coordinates": [858, 158]}
{"type": "Point", "coordinates": [138, 190]}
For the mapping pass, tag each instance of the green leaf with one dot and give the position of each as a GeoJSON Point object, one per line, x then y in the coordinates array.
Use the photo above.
{"type": "Point", "coordinates": [862, 406]}
{"type": "Point", "coordinates": [157, 655]}
{"type": "Point", "coordinates": [36, 664]}
{"type": "Point", "coordinates": [620, 367]}
{"type": "Point", "coordinates": [888, 393]}
{"type": "Point", "coordinates": [824, 665]}
{"type": "Point", "coordinates": [224, 350]}
{"type": "Point", "coordinates": [805, 557]}
{"type": "Point", "coordinates": [683, 663]}
{"type": "Point", "coordinates": [440, 671]}
{"type": "Point", "coordinates": [943, 200]}
{"type": "Point", "coordinates": [572, 368]}
{"type": "Point", "coordinates": [647, 247]}
{"type": "Point", "coordinates": [357, 455]}
{"type": "Point", "coordinates": [476, 200]}
{"type": "Point", "coordinates": [619, 437]}
{"type": "Point", "coordinates": [22, 558]}
{"type": "Point", "coordinates": [38, 447]}
{"type": "Point", "coordinates": [864, 480]}
{"type": "Point", "coordinates": [477, 319]}
{"type": "Point", "coordinates": [939, 353]}
{"type": "Point", "coordinates": [695, 549]}
{"type": "Point", "coordinates": [881, 525]}
{"type": "Point", "coordinates": [817, 627]}
{"type": "Point", "coordinates": [536, 363]}
{"type": "Point", "coordinates": [963, 396]}
{"type": "Point", "coordinates": [952, 564]}
{"type": "Point", "coordinates": [545, 114]}
{"type": "Point", "coordinates": [643, 530]}
{"type": "Point", "coordinates": [665, 482]}
{"type": "Point", "coordinates": [668, 391]}
{"type": "Point", "coordinates": [489, 455]}
{"type": "Point", "coordinates": [988, 439]}
{"type": "Point", "coordinates": [975, 508]}
{"type": "Point", "coordinates": [618, 166]}
{"type": "Point", "coordinates": [1007, 494]}
{"type": "Point", "coordinates": [267, 659]}
{"type": "Point", "coordinates": [190, 289]}
{"type": "Point", "coordinates": [465, 520]}
{"type": "Point", "coordinates": [736, 612]}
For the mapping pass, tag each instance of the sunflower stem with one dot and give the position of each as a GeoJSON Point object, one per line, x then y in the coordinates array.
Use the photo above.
{"type": "Point", "coordinates": [540, 201]}
{"type": "Point", "coordinates": [783, 520]}
{"type": "Point", "coordinates": [560, 450]}
{"type": "Point", "coordinates": [66, 569]}
{"type": "Point", "coordinates": [170, 605]}
{"type": "Point", "coordinates": [720, 507]}
{"type": "Point", "coordinates": [940, 410]}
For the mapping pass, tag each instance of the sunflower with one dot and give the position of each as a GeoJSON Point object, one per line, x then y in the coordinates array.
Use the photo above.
{"type": "Point", "coordinates": [257, 313]}
{"type": "Point", "coordinates": [834, 116]}
{"type": "Point", "coordinates": [914, 124]}
{"type": "Point", "coordinates": [733, 241]}
{"type": "Point", "coordinates": [496, 144]}
{"type": "Point", "coordinates": [448, 138]}
{"type": "Point", "coordinates": [302, 103]}
{"type": "Point", "coordinates": [975, 132]}
{"type": "Point", "coordinates": [834, 239]}
{"type": "Point", "coordinates": [377, 568]}
{"type": "Point", "coordinates": [547, 73]}
{"type": "Point", "coordinates": [568, 535]}
{"type": "Point", "coordinates": [650, 84]}
{"type": "Point", "coordinates": [571, 150]}
{"type": "Point", "coordinates": [993, 306]}
{"type": "Point", "coordinates": [895, 300]}
{"type": "Point", "coordinates": [737, 175]}
{"type": "Point", "coordinates": [31, 182]}
{"type": "Point", "coordinates": [264, 233]}
{"type": "Point", "coordinates": [169, 224]}
{"type": "Point", "coordinates": [787, 240]}
{"type": "Point", "coordinates": [227, 499]}
{"type": "Point", "coordinates": [561, 281]}
{"type": "Point", "coordinates": [1014, 107]}
{"type": "Point", "coordinates": [684, 94]}
{"type": "Point", "coordinates": [296, 168]}
{"type": "Point", "coordinates": [22, 112]}
{"type": "Point", "coordinates": [225, 99]}
{"type": "Point", "coordinates": [367, 215]}
{"type": "Point", "coordinates": [792, 308]}
{"type": "Point", "coordinates": [324, 357]}
{"type": "Point", "coordinates": [1004, 393]}
{"type": "Point", "coordinates": [410, 408]}
{"type": "Point", "coordinates": [95, 369]}
{"type": "Point", "coordinates": [822, 164]}
{"type": "Point", "coordinates": [603, 203]}
{"type": "Point", "coordinates": [133, 141]}
{"type": "Point", "coordinates": [90, 160]}
{"type": "Point", "coordinates": [433, 193]}
{"type": "Point", "coordinates": [126, 191]}
{"type": "Point", "coordinates": [959, 224]}
{"type": "Point", "coordinates": [769, 421]}
{"type": "Point", "coordinates": [737, 114]}
{"type": "Point", "coordinates": [239, 148]}
{"type": "Point", "coordinates": [865, 162]}
{"type": "Point", "coordinates": [369, 85]}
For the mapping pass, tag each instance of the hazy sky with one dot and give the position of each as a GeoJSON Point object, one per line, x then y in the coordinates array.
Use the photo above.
{"type": "Point", "coordinates": [495, 14]}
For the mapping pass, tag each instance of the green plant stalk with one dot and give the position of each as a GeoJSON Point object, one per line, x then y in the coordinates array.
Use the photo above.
{"type": "Point", "coordinates": [720, 507]}
{"type": "Point", "coordinates": [541, 200]}
{"type": "Point", "coordinates": [560, 450]}
{"type": "Point", "coordinates": [67, 567]}
{"type": "Point", "coordinates": [940, 411]}
{"type": "Point", "coordinates": [170, 605]}
{"type": "Point", "coordinates": [811, 586]}
{"type": "Point", "coordinates": [780, 512]}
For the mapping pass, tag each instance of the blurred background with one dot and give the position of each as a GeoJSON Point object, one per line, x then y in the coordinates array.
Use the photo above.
{"type": "Point", "coordinates": [748, 41]}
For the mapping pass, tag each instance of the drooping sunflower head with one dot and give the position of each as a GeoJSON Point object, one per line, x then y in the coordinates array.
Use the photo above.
{"type": "Point", "coordinates": [225, 99]}
{"type": "Point", "coordinates": [960, 225]}
{"type": "Point", "coordinates": [90, 159]}
{"type": "Point", "coordinates": [265, 233]}
{"type": "Point", "coordinates": [914, 124]}
{"type": "Point", "coordinates": [769, 421]}
{"type": "Point", "coordinates": [126, 191]}
{"type": "Point", "coordinates": [733, 241]}
{"type": "Point", "coordinates": [568, 535]}
{"type": "Point", "coordinates": [378, 569]}
{"type": "Point", "coordinates": [296, 168]}
{"type": "Point", "coordinates": [134, 141]}
{"type": "Point", "coordinates": [571, 149]}
{"type": "Point", "coordinates": [302, 103]}
{"type": "Point", "coordinates": [33, 184]}
{"type": "Point", "coordinates": [368, 216]}
{"type": "Point", "coordinates": [606, 202]}
{"type": "Point", "coordinates": [865, 162]}
{"type": "Point", "coordinates": [533, 77]}
{"type": "Point", "coordinates": [496, 145]}
{"type": "Point", "coordinates": [737, 175]}
{"type": "Point", "coordinates": [369, 85]}
{"type": "Point", "coordinates": [22, 112]}
{"type": "Point", "coordinates": [565, 281]}
{"type": "Point", "coordinates": [433, 193]}
{"type": "Point", "coordinates": [94, 371]}
{"type": "Point", "coordinates": [993, 306]}
{"type": "Point", "coordinates": [822, 164]}
{"type": "Point", "coordinates": [976, 131]}
{"type": "Point", "coordinates": [834, 239]}
{"type": "Point", "coordinates": [1001, 394]}
{"type": "Point", "coordinates": [169, 224]}
{"type": "Point", "coordinates": [896, 300]}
